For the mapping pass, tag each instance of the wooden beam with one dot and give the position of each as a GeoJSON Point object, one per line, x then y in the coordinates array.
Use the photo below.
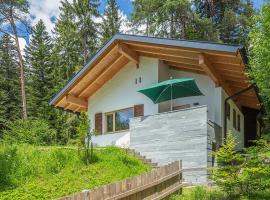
{"type": "Point", "coordinates": [128, 53]}
{"type": "Point", "coordinates": [106, 70]}
{"type": "Point", "coordinates": [209, 69]}
{"type": "Point", "coordinates": [165, 51]}
{"type": "Point", "coordinates": [66, 107]}
{"type": "Point", "coordinates": [171, 58]}
{"type": "Point", "coordinates": [187, 49]}
{"type": "Point", "coordinates": [234, 60]}
{"type": "Point", "coordinates": [113, 70]}
{"type": "Point", "coordinates": [183, 65]}
{"type": "Point", "coordinates": [231, 67]}
{"type": "Point", "coordinates": [76, 101]}
{"type": "Point", "coordinates": [186, 69]}
{"type": "Point", "coordinates": [238, 83]}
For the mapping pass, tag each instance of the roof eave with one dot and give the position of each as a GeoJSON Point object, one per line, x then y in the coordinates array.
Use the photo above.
{"type": "Point", "coordinates": [149, 40]}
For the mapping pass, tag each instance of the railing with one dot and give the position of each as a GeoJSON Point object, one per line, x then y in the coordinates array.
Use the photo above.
{"type": "Point", "coordinates": [154, 185]}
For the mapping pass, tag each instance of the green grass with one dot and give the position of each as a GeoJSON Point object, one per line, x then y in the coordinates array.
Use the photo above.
{"type": "Point", "coordinates": [29, 172]}
{"type": "Point", "coordinates": [214, 193]}
{"type": "Point", "coordinates": [199, 193]}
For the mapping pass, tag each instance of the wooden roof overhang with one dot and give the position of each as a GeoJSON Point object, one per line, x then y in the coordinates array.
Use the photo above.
{"type": "Point", "coordinates": [224, 64]}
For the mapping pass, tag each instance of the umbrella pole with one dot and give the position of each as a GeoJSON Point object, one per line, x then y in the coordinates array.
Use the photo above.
{"type": "Point", "coordinates": [171, 97]}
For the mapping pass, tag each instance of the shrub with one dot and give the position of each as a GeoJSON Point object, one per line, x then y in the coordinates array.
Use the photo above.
{"type": "Point", "coordinates": [29, 131]}
{"type": "Point", "coordinates": [242, 174]}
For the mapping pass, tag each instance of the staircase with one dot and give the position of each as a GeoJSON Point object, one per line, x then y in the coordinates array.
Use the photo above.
{"type": "Point", "coordinates": [142, 158]}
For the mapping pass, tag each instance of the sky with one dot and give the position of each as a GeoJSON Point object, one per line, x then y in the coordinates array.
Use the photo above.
{"type": "Point", "coordinates": [48, 11]}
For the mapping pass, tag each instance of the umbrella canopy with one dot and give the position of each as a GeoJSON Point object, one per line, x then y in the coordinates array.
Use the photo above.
{"type": "Point", "coordinates": [172, 89]}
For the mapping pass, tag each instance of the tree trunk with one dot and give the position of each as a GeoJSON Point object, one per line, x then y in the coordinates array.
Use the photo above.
{"type": "Point", "coordinates": [22, 81]}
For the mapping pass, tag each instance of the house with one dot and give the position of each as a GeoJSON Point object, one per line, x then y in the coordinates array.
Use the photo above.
{"type": "Point", "coordinates": [107, 88]}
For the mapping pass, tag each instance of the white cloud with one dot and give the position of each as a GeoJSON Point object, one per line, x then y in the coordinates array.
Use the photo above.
{"type": "Point", "coordinates": [22, 43]}
{"type": "Point", "coordinates": [44, 9]}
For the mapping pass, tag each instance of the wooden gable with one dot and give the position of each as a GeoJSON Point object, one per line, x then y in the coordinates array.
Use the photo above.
{"type": "Point", "coordinates": [225, 68]}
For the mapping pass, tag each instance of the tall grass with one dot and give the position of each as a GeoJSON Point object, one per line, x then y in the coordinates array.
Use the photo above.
{"type": "Point", "coordinates": [199, 193]}
{"type": "Point", "coordinates": [30, 172]}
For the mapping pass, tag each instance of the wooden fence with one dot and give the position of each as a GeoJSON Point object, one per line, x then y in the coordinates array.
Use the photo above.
{"type": "Point", "coordinates": [154, 185]}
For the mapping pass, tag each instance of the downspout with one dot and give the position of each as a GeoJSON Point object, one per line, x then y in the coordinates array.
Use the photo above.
{"type": "Point", "coordinates": [225, 107]}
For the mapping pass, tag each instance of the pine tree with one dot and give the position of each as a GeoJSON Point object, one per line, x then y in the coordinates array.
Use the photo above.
{"type": "Point", "coordinates": [84, 12]}
{"type": "Point", "coordinates": [13, 13]}
{"type": "Point", "coordinates": [260, 58]}
{"type": "Point", "coordinates": [10, 100]}
{"type": "Point", "coordinates": [144, 15]}
{"type": "Point", "coordinates": [232, 18]}
{"type": "Point", "coordinates": [111, 21]}
{"type": "Point", "coordinates": [169, 19]}
{"type": "Point", "coordinates": [76, 39]}
{"type": "Point", "coordinates": [38, 57]}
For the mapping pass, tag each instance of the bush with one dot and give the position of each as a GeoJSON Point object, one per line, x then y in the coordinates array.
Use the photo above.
{"type": "Point", "coordinates": [29, 131]}
{"type": "Point", "coordinates": [243, 174]}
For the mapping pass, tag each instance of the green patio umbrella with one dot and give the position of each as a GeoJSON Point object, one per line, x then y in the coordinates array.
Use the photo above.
{"type": "Point", "coordinates": [172, 89]}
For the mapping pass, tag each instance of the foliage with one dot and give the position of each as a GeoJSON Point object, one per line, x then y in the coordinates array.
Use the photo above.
{"type": "Point", "coordinates": [10, 102]}
{"type": "Point", "coordinates": [29, 131]}
{"type": "Point", "coordinates": [231, 18]}
{"type": "Point", "coordinates": [260, 56]}
{"type": "Point", "coordinates": [226, 21]}
{"type": "Point", "coordinates": [84, 138]}
{"type": "Point", "coordinates": [111, 21]}
{"type": "Point", "coordinates": [12, 15]}
{"type": "Point", "coordinates": [199, 193]}
{"type": "Point", "coordinates": [51, 172]}
{"type": "Point", "coordinates": [239, 174]}
{"type": "Point", "coordinates": [39, 76]}
{"type": "Point", "coordinates": [230, 163]}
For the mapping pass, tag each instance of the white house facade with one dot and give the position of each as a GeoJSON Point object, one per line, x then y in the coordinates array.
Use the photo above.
{"type": "Point", "coordinates": [107, 89]}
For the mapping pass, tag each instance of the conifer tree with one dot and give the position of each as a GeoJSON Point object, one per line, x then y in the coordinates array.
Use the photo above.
{"type": "Point", "coordinates": [169, 18]}
{"type": "Point", "coordinates": [76, 39]}
{"type": "Point", "coordinates": [10, 99]}
{"type": "Point", "coordinates": [38, 57]}
{"type": "Point", "coordinates": [111, 21]}
{"type": "Point", "coordinates": [232, 18]}
{"type": "Point", "coordinates": [13, 13]}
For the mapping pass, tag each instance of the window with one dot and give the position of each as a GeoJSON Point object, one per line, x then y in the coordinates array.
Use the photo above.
{"type": "Point", "coordinates": [238, 122]}
{"type": "Point", "coordinates": [228, 111]}
{"type": "Point", "coordinates": [234, 118]}
{"type": "Point", "coordinates": [119, 120]}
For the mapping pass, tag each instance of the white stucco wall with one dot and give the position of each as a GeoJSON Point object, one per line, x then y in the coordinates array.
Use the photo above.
{"type": "Point", "coordinates": [239, 135]}
{"type": "Point", "coordinates": [121, 91]}
{"type": "Point", "coordinates": [205, 85]}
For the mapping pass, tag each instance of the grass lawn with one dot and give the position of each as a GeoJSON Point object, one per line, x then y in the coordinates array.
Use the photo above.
{"type": "Point", "coordinates": [199, 193]}
{"type": "Point", "coordinates": [29, 172]}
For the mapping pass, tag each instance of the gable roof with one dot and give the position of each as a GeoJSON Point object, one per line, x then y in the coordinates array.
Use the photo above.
{"type": "Point", "coordinates": [225, 64]}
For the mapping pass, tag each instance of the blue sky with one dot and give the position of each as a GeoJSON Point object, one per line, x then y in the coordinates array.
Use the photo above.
{"type": "Point", "coordinates": [48, 10]}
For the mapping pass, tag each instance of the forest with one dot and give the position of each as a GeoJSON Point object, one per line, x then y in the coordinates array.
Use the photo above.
{"type": "Point", "coordinates": [30, 78]}
{"type": "Point", "coordinates": [42, 149]}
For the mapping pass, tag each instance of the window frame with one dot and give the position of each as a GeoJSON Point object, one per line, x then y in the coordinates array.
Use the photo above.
{"type": "Point", "coordinates": [113, 113]}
